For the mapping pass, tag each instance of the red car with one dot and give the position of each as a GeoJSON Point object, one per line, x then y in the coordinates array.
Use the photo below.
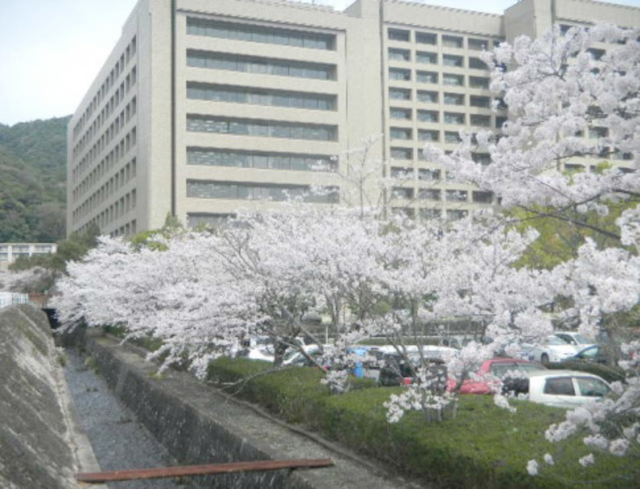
{"type": "Point", "coordinates": [491, 374]}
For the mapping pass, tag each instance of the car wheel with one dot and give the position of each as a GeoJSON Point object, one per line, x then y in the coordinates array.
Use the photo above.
{"type": "Point", "coordinates": [544, 358]}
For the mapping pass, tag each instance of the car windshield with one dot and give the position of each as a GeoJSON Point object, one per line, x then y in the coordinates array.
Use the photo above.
{"type": "Point", "coordinates": [554, 340]}
{"type": "Point", "coordinates": [581, 339]}
{"type": "Point", "coordinates": [592, 351]}
{"type": "Point", "coordinates": [503, 369]}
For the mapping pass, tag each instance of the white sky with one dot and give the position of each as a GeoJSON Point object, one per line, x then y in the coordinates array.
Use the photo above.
{"type": "Point", "coordinates": [51, 50]}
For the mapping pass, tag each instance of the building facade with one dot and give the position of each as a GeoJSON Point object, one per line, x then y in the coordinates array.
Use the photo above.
{"type": "Point", "coordinates": [205, 107]}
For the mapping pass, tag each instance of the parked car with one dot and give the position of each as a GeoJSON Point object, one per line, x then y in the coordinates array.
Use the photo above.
{"type": "Point", "coordinates": [566, 388]}
{"type": "Point", "coordinates": [574, 338]}
{"type": "Point", "coordinates": [593, 353]}
{"type": "Point", "coordinates": [494, 374]}
{"type": "Point", "coordinates": [551, 349]}
{"type": "Point", "coordinates": [395, 369]}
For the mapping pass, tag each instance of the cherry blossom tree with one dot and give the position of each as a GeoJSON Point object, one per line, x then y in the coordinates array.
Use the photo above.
{"type": "Point", "coordinates": [573, 99]}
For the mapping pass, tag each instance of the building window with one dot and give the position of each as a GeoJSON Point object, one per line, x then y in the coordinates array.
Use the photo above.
{"type": "Point", "coordinates": [402, 193]}
{"type": "Point", "coordinates": [427, 58]}
{"type": "Point", "coordinates": [482, 158]}
{"type": "Point", "coordinates": [401, 153]}
{"type": "Point", "coordinates": [500, 122]}
{"type": "Point", "coordinates": [261, 34]}
{"type": "Point", "coordinates": [598, 132]}
{"type": "Point", "coordinates": [456, 214]}
{"type": "Point", "coordinates": [480, 197]}
{"type": "Point", "coordinates": [428, 135]}
{"type": "Point", "coordinates": [399, 93]}
{"type": "Point", "coordinates": [427, 77]}
{"type": "Point", "coordinates": [428, 174]}
{"type": "Point", "coordinates": [428, 213]}
{"type": "Point", "coordinates": [480, 120]}
{"type": "Point", "coordinates": [200, 189]}
{"type": "Point", "coordinates": [479, 82]}
{"type": "Point", "coordinates": [428, 116]}
{"type": "Point", "coordinates": [452, 137]}
{"type": "Point", "coordinates": [400, 133]}
{"type": "Point", "coordinates": [426, 38]}
{"type": "Point", "coordinates": [454, 99]}
{"type": "Point", "coordinates": [451, 60]}
{"type": "Point", "coordinates": [399, 35]}
{"type": "Point", "coordinates": [457, 195]}
{"type": "Point", "coordinates": [477, 101]}
{"type": "Point", "coordinates": [429, 194]}
{"type": "Point", "coordinates": [478, 44]}
{"type": "Point", "coordinates": [248, 159]}
{"type": "Point", "coordinates": [399, 74]}
{"type": "Point", "coordinates": [277, 98]}
{"type": "Point", "coordinates": [454, 118]}
{"type": "Point", "coordinates": [429, 97]}
{"type": "Point", "coordinates": [208, 220]}
{"type": "Point", "coordinates": [402, 114]}
{"type": "Point", "coordinates": [453, 80]}
{"type": "Point", "coordinates": [399, 54]}
{"type": "Point", "coordinates": [250, 64]}
{"type": "Point", "coordinates": [477, 64]}
{"type": "Point", "coordinates": [573, 168]}
{"type": "Point", "coordinates": [252, 127]}
{"type": "Point", "coordinates": [452, 41]}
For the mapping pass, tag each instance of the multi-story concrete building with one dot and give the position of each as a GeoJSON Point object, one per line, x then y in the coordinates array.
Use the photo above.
{"type": "Point", "coordinates": [207, 106]}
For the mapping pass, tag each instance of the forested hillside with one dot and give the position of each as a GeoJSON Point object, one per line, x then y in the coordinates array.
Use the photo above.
{"type": "Point", "coordinates": [33, 181]}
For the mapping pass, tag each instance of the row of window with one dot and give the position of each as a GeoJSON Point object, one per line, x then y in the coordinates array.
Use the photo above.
{"type": "Point", "coordinates": [431, 58]}
{"type": "Point", "coordinates": [435, 194]}
{"type": "Point", "coordinates": [109, 82]}
{"type": "Point", "coordinates": [446, 40]}
{"type": "Point", "coordinates": [260, 65]}
{"type": "Point", "coordinates": [109, 108]}
{"type": "Point", "coordinates": [105, 192]}
{"type": "Point", "coordinates": [429, 135]}
{"type": "Point", "coordinates": [261, 128]}
{"type": "Point", "coordinates": [261, 34]}
{"type": "Point", "coordinates": [433, 77]}
{"type": "Point", "coordinates": [205, 219]}
{"type": "Point", "coordinates": [256, 159]}
{"type": "Point", "coordinates": [112, 131]}
{"type": "Point", "coordinates": [122, 206]}
{"type": "Point", "coordinates": [427, 213]}
{"type": "Point", "coordinates": [480, 120]}
{"type": "Point", "coordinates": [256, 96]}
{"type": "Point", "coordinates": [253, 191]}
{"type": "Point", "coordinates": [398, 153]}
{"type": "Point", "coordinates": [106, 164]}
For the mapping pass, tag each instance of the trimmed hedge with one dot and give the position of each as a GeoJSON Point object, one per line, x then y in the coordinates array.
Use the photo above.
{"type": "Point", "coordinates": [610, 374]}
{"type": "Point", "coordinates": [483, 447]}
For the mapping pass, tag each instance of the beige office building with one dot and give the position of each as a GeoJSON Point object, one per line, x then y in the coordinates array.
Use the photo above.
{"type": "Point", "coordinates": [208, 106]}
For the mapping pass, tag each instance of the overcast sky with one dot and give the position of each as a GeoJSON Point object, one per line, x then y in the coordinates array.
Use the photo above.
{"type": "Point", "coordinates": [51, 50]}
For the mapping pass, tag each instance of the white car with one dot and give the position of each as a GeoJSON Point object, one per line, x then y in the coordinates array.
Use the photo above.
{"type": "Point", "coordinates": [575, 339]}
{"type": "Point", "coordinates": [551, 349]}
{"type": "Point", "coordinates": [566, 388]}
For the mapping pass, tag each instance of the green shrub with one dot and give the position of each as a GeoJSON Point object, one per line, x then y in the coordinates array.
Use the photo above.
{"type": "Point", "coordinates": [483, 447]}
{"type": "Point", "coordinates": [610, 374]}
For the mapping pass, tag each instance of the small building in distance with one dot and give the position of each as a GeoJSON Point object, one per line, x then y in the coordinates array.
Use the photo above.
{"type": "Point", "coordinates": [9, 252]}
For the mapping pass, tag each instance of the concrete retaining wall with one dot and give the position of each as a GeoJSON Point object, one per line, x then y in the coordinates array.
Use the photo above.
{"type": "Point", "coordinates": [36, 446]}
{"type": "Point", "coordinates": [199, 425]}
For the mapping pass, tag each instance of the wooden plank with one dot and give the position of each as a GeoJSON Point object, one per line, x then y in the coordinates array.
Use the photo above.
{"type": "Point", "coordinates": [187, 470]}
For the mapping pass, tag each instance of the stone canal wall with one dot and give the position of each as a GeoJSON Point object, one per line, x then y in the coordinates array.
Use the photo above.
{"type": "Point", "coordinates": [40, 446]}
{"type": "Point", "coordinates": [199, 425]}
